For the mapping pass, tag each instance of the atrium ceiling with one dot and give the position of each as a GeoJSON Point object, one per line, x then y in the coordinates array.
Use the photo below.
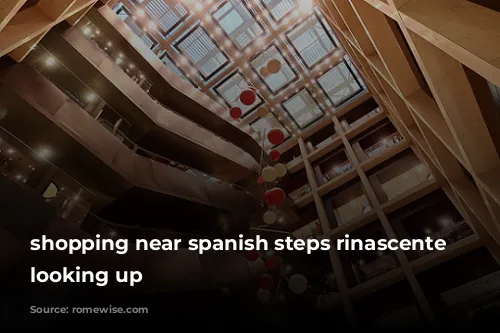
{"type": "Point", "coordinates": [224, 47]}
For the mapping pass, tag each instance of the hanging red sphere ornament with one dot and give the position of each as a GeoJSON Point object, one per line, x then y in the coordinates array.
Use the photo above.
{"type": "Point", "coordinates": [266, 281]}
{"type": "Point", "coordinates": [252, 255]}
{"type": "Point", "coordinates": [274, 196]}
{"type": "Point", "coordinates": [271, 263]}
{"type": "Point", "coordinates": [274, 155]}
{"type": "Point", "coordinates": [276, 136]}
{"type": "Point", "coordinates": [260, 180]}
{"type": "Point", "coordinates": [248, 97]}
{"type": "Point", "coordinates": [235, 112]}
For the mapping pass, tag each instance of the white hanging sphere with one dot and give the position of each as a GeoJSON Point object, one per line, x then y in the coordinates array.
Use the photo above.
{"type": "Point", "coordinates": [269, 174]}
{"type": "Point", "coordinates": [257, 267]}
{"type": "Point", "coordinates": [297, 284]}
{"type": "Point", "coordinates": [263, 295]}
{"type": "Point", "coordinates": [269, 217]}
{"type": "Point", "coordinates": [280, 169]}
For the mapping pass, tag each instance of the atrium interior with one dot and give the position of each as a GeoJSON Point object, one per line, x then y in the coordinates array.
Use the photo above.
{"type": "Point", "coordinates": [155, 119]}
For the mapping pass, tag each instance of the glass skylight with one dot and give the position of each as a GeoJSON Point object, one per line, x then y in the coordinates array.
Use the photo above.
{"type": "Point", "coordinates": [265, 124]}
{"type": "Point", "coordinates": [303, 108]}
{"type": "Point", "coordinates": [280, 80]}
{"type": "Point", "coordinates": [340, 84]}
{"type": "Point", "coordinates": [223, 47]}
{"type": "Point", "coordinates": [238, 23]}
{"type": "Point", "coordinates": [229, 91]}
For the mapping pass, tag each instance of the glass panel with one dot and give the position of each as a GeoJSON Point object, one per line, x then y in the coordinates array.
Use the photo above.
{"type": "Point", "coordinates": [303, 108]}
{"type": "Point", "coordinates": [311, 41]}
{"type": "Point", "coordinates": [279, 8]}
{"type": "Point", "coordinates": [201, 51]}
{"type": "Point", "coordinates": [280, 80]}
{"type": "Point", "coordinates": [167, 16]}
{"type": "Point", "coordinates": [230, 89]}
{"type": "Point", "coordinates": [238, 23]}
{"type": "Point", "coordinates": [339, 84]}
{"type": "Point", "coordinates": [267, 123]}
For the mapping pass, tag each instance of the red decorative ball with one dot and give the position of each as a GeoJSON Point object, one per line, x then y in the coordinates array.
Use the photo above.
{"type": "Point", "coordinates": [271, 263]}
{"type": "Point", "coordinates": [235, 112]}
{"type": "Point", "coordinates": [274, 196]}
{"type": "Point", "coordinates": [274, 155]}
{"type": "Point", "coordinates": [266, 281]}
{"type": "Point", "coordinates": [248, 97]}
{"type": "Point", "coordinates": [252, 255]}
{"type": "Point", "coordinates": [260, 180]}
{"type": "Point", "coordinates": [276, 136]}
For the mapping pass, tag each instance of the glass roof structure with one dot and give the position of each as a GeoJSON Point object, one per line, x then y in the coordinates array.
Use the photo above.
{"type": "Point", "coordinates": [223, 47]}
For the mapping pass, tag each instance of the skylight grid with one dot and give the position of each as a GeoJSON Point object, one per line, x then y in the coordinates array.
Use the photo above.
{"type": "Point", "coordinates": [214, 46]}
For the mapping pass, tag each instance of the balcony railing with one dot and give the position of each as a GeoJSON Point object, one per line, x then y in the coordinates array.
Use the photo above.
{"type": "Point", "coordinates": [31, 170]}
{"type": "Point", "coordinates": [104, 113]}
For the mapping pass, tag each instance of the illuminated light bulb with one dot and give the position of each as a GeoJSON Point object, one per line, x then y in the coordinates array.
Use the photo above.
{"type": "Point", "coordinates": [44, 152]}
{"type": "Point", "coordinates": [218, 31]}
{"type": "Point", "coordinates": [87, 31]}
{"type": "Point", "coordinates": [198, 6]}
{"type": "Point", "coordinates": [131, 66]}
{"type": "Point", "coordinates": [118, 61]}
{"type": "Point", "coordinates": [109, 44]}
{"type": "Point", "coordinates": [296, 13]}
{"type": "Point", "coordinates": [140, 12]}
{"type": "Point", "coordinates": [97, 32]}
{"type": "Point", "coordinates": [208, 18]}
{"type": "Point", "coordinates": [183, 60]}
{"type": "Point", "coordinates": [90, 97]}
{"type": "Point", "coordinates": [152, 25]}
{"type": "Point", "coordinates": [237, 54]}
{"type": "Point", "coordinates": [50, 61]}
{"type": "Point", "coordinates": [227, 43]}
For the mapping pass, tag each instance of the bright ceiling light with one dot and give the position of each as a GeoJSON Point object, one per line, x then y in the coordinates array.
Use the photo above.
{"type": "Point", "coordinates": [90, 97]}
{"type": "Point", "coordinates": [50, 61]}
{"type": "Point", "coordinates": [198, 6]}
{"type": "Point", "coordinates": [140, 12]}
{"type": "Point", "coordinates": [151, 25]}
{"type": "Point", "coordinates": [44, 152]}
{"type": "Point", "coordinates": [87, 31]}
